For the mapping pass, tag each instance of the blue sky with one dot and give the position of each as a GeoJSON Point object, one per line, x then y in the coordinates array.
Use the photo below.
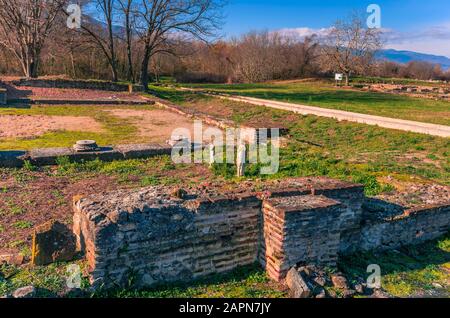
{"type": "Point", "coordinates": [418, 25]}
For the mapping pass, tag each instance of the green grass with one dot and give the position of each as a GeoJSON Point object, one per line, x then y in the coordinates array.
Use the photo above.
{"type": "Point", "coordinates": [409, 271]}
{"type": "Point", "coordinates": [243, 282]}
{"type": "Point", "coordinates": [393, 80]}
{"type": "Point", "coordinates": [325, 147]}
{"type": "Point", "coordinates": [22, 225]}
{"type": "Point", "coordinates": [325, 95]}
{"type": "Point", "coordinates": [116, 130]}
{"type": "Point", "coordinates": [49, 280]}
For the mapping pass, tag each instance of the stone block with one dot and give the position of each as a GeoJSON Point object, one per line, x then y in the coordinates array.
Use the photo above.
{"type": "Point", "coordinates": [142, 151]}
{"type": "Point", "coordinates": [47, 156]}
{"type": "Point", "coordinates": [297, 285]}
{"type": "Point", "coordinates": [11, 259]}
{"type": "Point", "coordinates": [25, 292]}
{"type": "Point", "coordinates": [339, 281]}
{"type": "Point", "coordinates": [103, 153]}
{"type": "Point", "coordinates": [11, 159]}
{"type": "Point", "coordinates": [3, 98]}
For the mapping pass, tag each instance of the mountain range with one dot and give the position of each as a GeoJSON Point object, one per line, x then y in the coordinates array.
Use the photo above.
{"type": "Point", "coordinates": [407, 56]}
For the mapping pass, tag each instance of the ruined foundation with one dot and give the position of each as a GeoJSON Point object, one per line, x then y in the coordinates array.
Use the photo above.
{"type": "Point", "coordinates": [3, 96]}
{"type": "Point", "coordinates": [50, 156]}
{"type": "Point", "coordinates": [156, 239]}
{"type": "Point", "coordinates": [77, 84]}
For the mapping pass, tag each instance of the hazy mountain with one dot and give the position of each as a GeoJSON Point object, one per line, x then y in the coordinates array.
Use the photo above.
{"type": "Point", "coordinates": [407, 56]}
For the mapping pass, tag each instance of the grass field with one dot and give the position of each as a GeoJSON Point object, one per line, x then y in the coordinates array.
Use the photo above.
{"type": "Point", "coordinates": [327, 96]}
{"type": "Point", "coordinates": [315, 147]}
{"type": "Point", "coordinates": [116, 130]}
{"type": "Point", "coordinates": [323, 146]}
{"type": "Point", "coordinates": [61, 126]}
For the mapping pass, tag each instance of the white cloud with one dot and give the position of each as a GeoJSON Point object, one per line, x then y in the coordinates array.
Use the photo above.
{"type": "Point", "coordinates": [432, 40]}
{"type": "Point", "coordinates": [303, 32]}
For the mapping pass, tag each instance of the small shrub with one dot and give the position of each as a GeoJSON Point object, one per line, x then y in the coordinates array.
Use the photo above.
{"type": "Point", "coordinates": [27, 165]}
{"type": "Point", "coordinates": [22, 225]}
{"type": "Point", "coordinates": [150, 181]}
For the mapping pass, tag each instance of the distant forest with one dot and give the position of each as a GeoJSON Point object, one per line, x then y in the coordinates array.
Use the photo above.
{"type": "Point", "coordinates": [143, 40]}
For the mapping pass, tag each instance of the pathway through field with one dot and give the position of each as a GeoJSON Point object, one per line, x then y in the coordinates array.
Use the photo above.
{"type": "Point", "coordinates": [386, 122]}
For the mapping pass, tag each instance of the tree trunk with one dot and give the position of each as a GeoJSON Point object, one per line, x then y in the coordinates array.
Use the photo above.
{"type": "Point", "coordinates": [115, 77]}
{"type": "Point", "coordinates": [72, 62]}
{"type": "Point", "coordinates": [112, 49]}
{"type": "Point", "coordinates": [144, 72]}
{"type": "Point", "coordinates": [130, 74]}
{"type": "Point", "coordinates": [32, 71]}
{"type": "Point", "coordinates": [347, 76]}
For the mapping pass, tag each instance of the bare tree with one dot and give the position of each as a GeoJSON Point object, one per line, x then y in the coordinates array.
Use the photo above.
{"type": "Point", "coordinates": [349, 47]}
{"type": "Point", "coordinates": [307, 54]}
{"type": "Point", "coordinates": [158, 22]}
{"type": "Point", "coordinates": [126, 6]}
{"type": "Point", "coordinates": [24, 28]}
{"type": "Point", "coordinates": [104, 40]}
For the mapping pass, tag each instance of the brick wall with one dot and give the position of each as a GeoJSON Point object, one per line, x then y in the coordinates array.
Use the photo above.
{"type": "Point", "coordinates": [155, 238]}
{"type": "Point", "coordinates": [161, 240]}
{"type": "Point", "coordinates": [299, 229]}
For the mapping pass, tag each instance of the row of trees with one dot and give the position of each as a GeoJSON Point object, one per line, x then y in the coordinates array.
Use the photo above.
{"type": "Point", "coordinates": [414, 70]}
{"type": "Point", "coordinates": [130, 39]}
{"type": "Point", "coordinates": [141, 28]}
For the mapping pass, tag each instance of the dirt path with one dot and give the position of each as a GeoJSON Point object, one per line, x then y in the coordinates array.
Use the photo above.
{"type": "Point", "coordinates": [386, 122]}
{"type": "Point", "coordinates": [158, 125]}
{"type": "Point", "coordinates": [22, 126]}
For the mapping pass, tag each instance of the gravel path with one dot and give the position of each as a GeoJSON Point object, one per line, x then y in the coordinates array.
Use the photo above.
{"type": "Point", "coordinates": [386, 122]}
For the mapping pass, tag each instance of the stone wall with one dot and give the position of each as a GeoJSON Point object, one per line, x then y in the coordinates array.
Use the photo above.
{"type": "Point", "coordinates": [161, 239]}
{"type": "Point", "coordinates": [77, 84]}
{"type": "Point", "coordinates": [49, 156]}
{"type": "Point", "coordinates": [157, 238]}
{"type": "Point", "coordinates": [2, 96]}
{"type": "Point", "coordinates": [300, 229]}
{"type": "Point", "coordinates": [413, 227]}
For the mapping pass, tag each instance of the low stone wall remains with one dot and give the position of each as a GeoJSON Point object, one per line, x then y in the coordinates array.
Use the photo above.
{"type": "Point", "coordinates": [49, 156]}
{"type": "Point", "coordinates": [158, 238]}
{"type": "Point", "coordinates": [413, 227]}
{"type": "Point", "coordinates": [78, 84]}
{"type": "Point", "coordinates": [3, 96]}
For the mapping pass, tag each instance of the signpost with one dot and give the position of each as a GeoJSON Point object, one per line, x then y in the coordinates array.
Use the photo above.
{"type": "Point", "coordinates": [338, 77]}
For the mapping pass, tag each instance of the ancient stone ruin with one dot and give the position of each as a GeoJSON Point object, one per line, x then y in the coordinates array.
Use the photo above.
{"type": "Point", "coordinates": [84, 151]}
{"type": "Point", "coordinates": [433, 92]}
{"type": "Point", "coordinates": [2, 96]}
{"type": "Point", "coordinates": [157, 237]}
{"type": "Point", "coordinates": [77, 84]}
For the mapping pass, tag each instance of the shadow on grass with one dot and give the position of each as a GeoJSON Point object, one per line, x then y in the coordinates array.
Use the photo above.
{"type": "Point", "coordinates": [327, 97]}
{"type": "Point", "coordinates": [403, 260]}
{"type": "Point", "coordinates": [245, 281]}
